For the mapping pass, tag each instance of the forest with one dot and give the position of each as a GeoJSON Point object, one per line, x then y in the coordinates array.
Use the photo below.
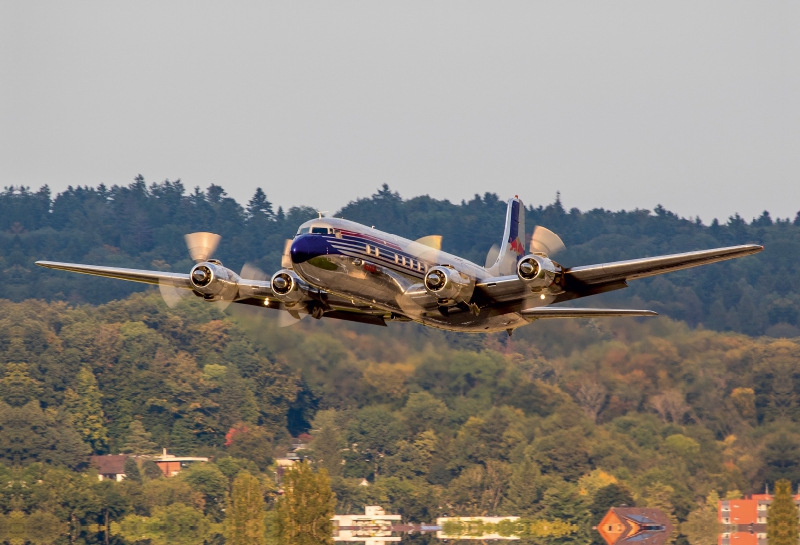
{"type": "Point", "coordinates": [555, 424]}
{"type": "Point", "coordinates": [141, 225]}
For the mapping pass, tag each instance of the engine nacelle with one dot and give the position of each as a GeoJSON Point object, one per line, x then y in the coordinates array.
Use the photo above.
{"type": "Point", "coordinates": [537, 271]}
{"type": "Point", "coordinates": [286, 286]}
{"type": "Point", "coordinates": [214, 281]}
{"type": "Point", "coordinates": [448, 284]}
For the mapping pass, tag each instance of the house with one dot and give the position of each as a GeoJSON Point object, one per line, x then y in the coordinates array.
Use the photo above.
{"type": "Point", "coordinates": [750, 510]}
{"type": "Point", "coordinates": [374, 527]}
{"type": "Point", "coordinates": [171, 465]}
{"type": "Point", "coordinates": [640, 525]}
{"type": "Point", "coordinates": [110, 466]}
{"type": "Point", "coordinates": [745, 519]}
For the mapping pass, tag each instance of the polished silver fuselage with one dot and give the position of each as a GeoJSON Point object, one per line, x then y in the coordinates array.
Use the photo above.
{"type": "Point", "coordinates": [384, 272]}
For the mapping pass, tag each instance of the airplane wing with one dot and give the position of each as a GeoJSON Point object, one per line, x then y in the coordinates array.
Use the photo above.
{"type": "Point", "coordinates": [591, 279]}
{"type": "Point", "coordinates": [651, 266]}
{"type": "Point", "coordinates": [509, 293]}
{"type": "Point", "coordinates": [251, 292]}
{"type": "Point", "coordinates": [132, 275]}
{"type": "Point", "coordinates": [539, 313]}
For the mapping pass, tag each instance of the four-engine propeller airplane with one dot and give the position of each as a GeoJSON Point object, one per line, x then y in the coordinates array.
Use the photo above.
{"type": "Point", "coordinates": [340, 269]}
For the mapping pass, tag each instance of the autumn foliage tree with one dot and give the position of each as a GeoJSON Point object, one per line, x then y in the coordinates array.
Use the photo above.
{"type": "Point", "coordinates": [782, 516]}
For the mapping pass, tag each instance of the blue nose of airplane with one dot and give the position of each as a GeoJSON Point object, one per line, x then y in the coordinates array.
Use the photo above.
{"type": "Point", "coordinates": [307, 247]}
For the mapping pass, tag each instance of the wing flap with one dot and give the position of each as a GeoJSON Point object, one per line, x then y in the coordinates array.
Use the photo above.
{"type": "Point", "coordinates": [652, 266]}
{"type": "Point", "coordinates": [564, 312]}
{"type": "Point", "coordinates": [132, 275]}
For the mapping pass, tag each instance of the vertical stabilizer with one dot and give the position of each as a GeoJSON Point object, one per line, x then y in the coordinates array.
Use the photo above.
{"type": "Point", "coordinates": [513, 246]}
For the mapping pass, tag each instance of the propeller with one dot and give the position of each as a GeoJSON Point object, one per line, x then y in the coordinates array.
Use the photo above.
{"type": "Point", "coordinates": [426, 248]}
{"type": "Point", "coordinates": [491, 257]}
{"type": "Point", "coordinates": [286, 258]}
{"type": "Point", "coordinates": [285, 317]}
{"type": "Point", "coordinates": [201, 245]}
{"type": "Point", "coordinates": [171, 294]}
{"type": "Point", "coordinates": [545, 241]}
{"type": "Point", "coordinates": [432, 241]}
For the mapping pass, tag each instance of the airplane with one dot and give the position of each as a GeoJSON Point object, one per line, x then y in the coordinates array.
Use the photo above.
{"type": "Point", "coordinates": [335, 268]}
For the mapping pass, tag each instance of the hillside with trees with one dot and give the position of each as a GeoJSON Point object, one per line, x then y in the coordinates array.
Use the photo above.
{"type": "Point", "coordinates": [557, 423]}
{"type": "Point", "coordinates": [141, 225]}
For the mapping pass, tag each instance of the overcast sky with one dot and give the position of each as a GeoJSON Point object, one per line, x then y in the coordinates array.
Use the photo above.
{"type": "Point", "coordinates": [695, 105]}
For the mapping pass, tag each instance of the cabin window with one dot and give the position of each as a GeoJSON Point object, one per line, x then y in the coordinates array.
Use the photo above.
{"type": "Point", "coordinates": [372, 250]}
{"type": "Point", "coordinates": [396, 258]}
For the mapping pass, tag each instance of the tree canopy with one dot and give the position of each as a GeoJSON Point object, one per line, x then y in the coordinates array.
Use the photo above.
{"type": "Point", "coordinates": [141, 225]}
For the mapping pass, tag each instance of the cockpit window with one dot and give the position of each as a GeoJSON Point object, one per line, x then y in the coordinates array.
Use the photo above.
{"type": "Point", "coordinates": [303, 231]}
{"type": "Point", "coordinates": [319, 230]}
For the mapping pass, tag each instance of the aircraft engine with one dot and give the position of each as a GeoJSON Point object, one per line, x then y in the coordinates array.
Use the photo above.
{"type": "Point", "coordinates": [286, 286]}
{"type": "Point", "coordinates": [449, 284]}
{"type": "Point", "coordinates": [537, 271]}
{"type": "Point", "coordinates": [214, 281]}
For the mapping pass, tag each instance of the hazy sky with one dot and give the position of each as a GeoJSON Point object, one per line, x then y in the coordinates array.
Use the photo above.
{"type": "Point", "coordinates": [695, 105]}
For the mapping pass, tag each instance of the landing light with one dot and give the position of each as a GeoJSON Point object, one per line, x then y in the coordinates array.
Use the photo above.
{"type": "Point", "coordinates": [541, 296]}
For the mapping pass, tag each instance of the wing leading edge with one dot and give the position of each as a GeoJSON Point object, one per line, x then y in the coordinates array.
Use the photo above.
{"type": "Point", "coordinates": [132, 275]}
{"type": "Point", "coordinates": [651, 266]}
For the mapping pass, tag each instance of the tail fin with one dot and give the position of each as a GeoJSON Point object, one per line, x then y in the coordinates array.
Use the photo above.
{"type": "Point", "coordinates": [513, 246]}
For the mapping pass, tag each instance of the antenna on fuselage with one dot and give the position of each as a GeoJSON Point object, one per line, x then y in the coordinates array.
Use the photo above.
{"type": "Point", "coordinates": [320, 212]}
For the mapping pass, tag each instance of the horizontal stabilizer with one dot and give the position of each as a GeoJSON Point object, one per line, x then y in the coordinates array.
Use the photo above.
{"type": "Point", "coordinates": [565, 312]}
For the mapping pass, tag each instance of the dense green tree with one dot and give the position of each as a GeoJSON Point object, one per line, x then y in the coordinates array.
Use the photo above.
{"type": "Point", "coordinates": [303, 513]}
{"type": "Point", "coordinates": [612, 495]}
{"type": "Point", "coordinates": [702, 527]}
{"type": "Point", "coordinates": [138, 440]}
{"type": "Point", "coordinates": [150, 470]}
{"type": "Point", "coordinates": [660, 496]}
{"type": "Point", "coordinates": [209, 481]}
{"type": "Point", "coordinates": [85, 407]}
{"type": "Point", "coordinates": [132, 471]}
{"type": "Point", "coordinates": [17, 387]}
{"type": "Point", "coordinates": [177, 524]}
{"type": "Point", "coordinates": [563, 452]}
{"type": "Point", "coordinates": [373, 434]}
{"type": "Point", "coordinates": [326, 449]}
{"type": "Point", "coordinates": [245, 516]}
{"type": "Point", "coordinates": [250, 442]}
